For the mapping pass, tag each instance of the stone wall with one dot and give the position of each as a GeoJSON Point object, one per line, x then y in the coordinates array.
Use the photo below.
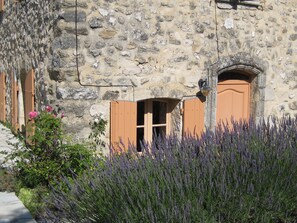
{"type": "Point", "coordinates": [26, 31]}
{"type": "Point", "coordinates": [138, 49]}
{"type": "Point", "coordinates": [89, 52]}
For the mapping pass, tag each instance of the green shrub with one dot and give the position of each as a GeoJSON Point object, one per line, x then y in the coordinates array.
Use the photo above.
{"type": "Point", "coordinates": [46, 154]}
{"type": "Point", "coordinates": [7, 180]}
{"type": "Point", "coordinates": [33, 199]}
{"type": "Point", "coordinates": [247, 173]}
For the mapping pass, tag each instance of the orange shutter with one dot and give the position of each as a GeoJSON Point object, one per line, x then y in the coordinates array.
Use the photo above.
{"type": "Point", "coordinates": [29, 94]}
{"type": "Point", "coordinates": [123, 124]}
{"type": "Point", "coordinates": [1, 5]}
{"type": "Point", "coordinates": [2, 97]}
{"type": "Point", "coordinates": [193, 117]}
{"type": "Point", "coordinates": [29, 102]}
{"type": "Point", "coordinates": [14, 110]}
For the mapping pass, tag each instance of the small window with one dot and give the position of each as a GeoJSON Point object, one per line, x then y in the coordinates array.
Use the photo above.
{"type": "Point", "coordinates": [152, 120]}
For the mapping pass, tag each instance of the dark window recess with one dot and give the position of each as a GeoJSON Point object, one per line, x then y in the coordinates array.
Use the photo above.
{"type": "Point", "coordinates": [234, 3]}
{"type": "Point", "coordinates": [140, 138]}
{"type": "Point", "coordinates": [233, 76]}
{"type": "Point", "coordinates": [159, 131]}
{"type": "Point", "coordinates": [159, 112]}
{"type": "Point", "coordinates": [140, 112]}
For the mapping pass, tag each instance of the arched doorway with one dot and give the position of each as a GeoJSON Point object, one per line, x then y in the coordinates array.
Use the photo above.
{"type": "Point", "coordinates": [247, 70]}
{"type": "Point", "coordinates": [233, 97]}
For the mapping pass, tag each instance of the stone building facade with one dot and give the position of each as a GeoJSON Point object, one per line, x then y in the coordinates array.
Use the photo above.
{"type": "Point", "coordinates": [89, 54]}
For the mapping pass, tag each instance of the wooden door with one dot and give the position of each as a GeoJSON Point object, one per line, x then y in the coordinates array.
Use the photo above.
{"type": "Point", "coordinates": [2, 97]}
{"type": "Point", "coordinates": [233, 100]}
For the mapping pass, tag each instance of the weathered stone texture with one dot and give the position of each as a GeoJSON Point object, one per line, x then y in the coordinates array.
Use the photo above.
{"type": "Point", "coordinates": [76, 94]}
{"type": "Point", "coordinates": [26, 30]}
{"type": "Point", "coordinates": [137, 49]}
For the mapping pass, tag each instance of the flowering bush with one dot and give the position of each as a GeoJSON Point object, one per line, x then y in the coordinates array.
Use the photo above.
{"type": "Point", "coordinates": [49, 108]}
{"type": "Point", "coordinates": [48, 155]}
{"type": "Point", "coordinates": [32, 115]}
{"type": "Point", "coordinates": [247, 174]}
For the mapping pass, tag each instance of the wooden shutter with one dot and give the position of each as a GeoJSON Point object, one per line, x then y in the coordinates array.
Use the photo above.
{"type": "Point", "coordinates": [29, 94]}
{"type": "Point", "coordinates": [123, 124]}
{"type": "Point", "coordinates": [193, 117]}
{"type": "Point", "coordinates": [14, 109]}
{"type": "Point", "coordinates": [29, 103]}
{"type": "Point", "coordinates": [2, 97]}
{"type": "Point", "coordinates": [1, 5]}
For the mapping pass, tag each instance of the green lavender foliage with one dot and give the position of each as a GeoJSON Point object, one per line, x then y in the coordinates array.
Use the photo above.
{"type": "Point", "coordinates": [241, 173]}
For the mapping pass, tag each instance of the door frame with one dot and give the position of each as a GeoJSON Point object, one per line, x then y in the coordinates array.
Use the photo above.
{"type": "Point", "coordinates": [249, 65]}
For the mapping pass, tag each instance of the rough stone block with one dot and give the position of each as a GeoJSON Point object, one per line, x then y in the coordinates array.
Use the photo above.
{"type": "Point", "coordinates": [293, 37]}
{"type": "Point", "coordinates": [76, 93]}
{"type": "Point", "coordinates": [69, 16]}
{"type": "Point", "coordinates": [100, 44]}
{"type": "Point", "coordinates": [71, 4]}
{"type": "Point", "coordinates": [64, 42]}
{"type": "Point", "coordinates": [140, 35]}
{"type": "Point", "coordinates": [96, 23]}
{"type": "Point", "coordinates": [111, 95]}
{"type": "Point", "coordinates": [107, 34]}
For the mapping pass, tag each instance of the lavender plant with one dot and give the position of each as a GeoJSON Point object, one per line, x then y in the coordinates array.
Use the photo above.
{"type": "Point", "coordinates": [241, 173]}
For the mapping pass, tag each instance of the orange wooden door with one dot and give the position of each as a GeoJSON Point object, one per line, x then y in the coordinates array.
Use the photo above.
{"type": "Point", "coordinates": [2, 97]}
{"type": "Point", "coordinates": [233, 100]}
{"type": "Point", "coordinates": [193, 117]}
{"type": "Point", "coordinates": [123, 115]}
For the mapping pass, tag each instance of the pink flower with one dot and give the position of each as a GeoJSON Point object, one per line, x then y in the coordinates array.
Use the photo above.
{"type": "Point", "coordinates": [33, 114]}
{"type": "Point", "coordinates": [62, 115]}
{"type": "Point", "coordinates": [48, 108]}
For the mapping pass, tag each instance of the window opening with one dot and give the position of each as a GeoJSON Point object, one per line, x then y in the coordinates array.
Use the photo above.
{"type": "Point", "coordinates": [140, 124]}
{"type": "Point", "coordinates": [233, 76]}
{"type": "Point", "coordinates": [159, 112]}
{"type": "Point", "coordinates": [152, 120]}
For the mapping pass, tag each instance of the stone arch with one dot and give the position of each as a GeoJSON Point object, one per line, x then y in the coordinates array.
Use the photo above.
{"type": "Point", "coordinates": [244, 64]}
